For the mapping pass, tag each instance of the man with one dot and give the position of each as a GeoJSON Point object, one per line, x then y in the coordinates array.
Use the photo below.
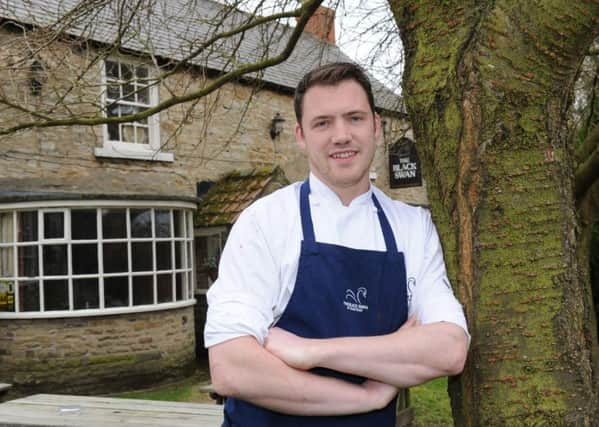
{"type": "Point", "coordinates": [330, 295]}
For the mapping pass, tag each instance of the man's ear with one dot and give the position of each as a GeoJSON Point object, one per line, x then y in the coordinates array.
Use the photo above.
{"type": "Point", "coordinates": [378, 129]}
{"type": "Point", "coordinates": [299, 136]}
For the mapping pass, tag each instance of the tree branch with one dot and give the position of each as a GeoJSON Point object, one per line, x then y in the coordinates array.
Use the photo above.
{"type": "Point", "coordinates": [304, 13]}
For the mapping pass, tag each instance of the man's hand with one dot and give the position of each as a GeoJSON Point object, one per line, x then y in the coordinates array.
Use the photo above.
{"type": "Point", "coordinates": [293, 350]}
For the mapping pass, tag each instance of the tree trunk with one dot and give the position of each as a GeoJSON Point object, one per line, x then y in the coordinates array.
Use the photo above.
{"type": "Point", "coordinates": [487, 85]}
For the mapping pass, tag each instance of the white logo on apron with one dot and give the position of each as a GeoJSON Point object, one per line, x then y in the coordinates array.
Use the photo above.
{"type": "Point", "coordinates": [356, 301]}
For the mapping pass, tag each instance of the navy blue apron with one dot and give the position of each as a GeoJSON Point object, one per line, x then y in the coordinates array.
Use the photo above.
{"type": "Point", "coordinates": [339, 292]}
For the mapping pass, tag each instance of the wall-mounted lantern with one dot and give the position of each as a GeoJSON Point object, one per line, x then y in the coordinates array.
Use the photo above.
{"type": "Point", "coordinates": [276, 126]}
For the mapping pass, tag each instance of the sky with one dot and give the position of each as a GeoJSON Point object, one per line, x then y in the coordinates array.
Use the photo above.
{"type": "Point", "coordinates": [366, 33]}
{"type": "Point", "coordinates": [364, 30]}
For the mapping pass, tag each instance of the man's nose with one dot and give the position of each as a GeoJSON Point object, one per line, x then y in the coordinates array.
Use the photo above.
{"type": "Point", "coordinates": [341, 134]}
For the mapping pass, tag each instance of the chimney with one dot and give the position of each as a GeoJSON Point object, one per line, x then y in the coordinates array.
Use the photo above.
{"type": "Point", "coordinates": [322, 24]}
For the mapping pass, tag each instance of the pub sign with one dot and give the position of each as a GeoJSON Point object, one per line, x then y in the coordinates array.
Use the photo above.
{"type": "Point", "coordinates": [404, 165]}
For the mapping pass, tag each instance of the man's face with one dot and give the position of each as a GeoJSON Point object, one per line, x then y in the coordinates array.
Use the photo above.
{"type": "Point", "coordinates": [339, 133]}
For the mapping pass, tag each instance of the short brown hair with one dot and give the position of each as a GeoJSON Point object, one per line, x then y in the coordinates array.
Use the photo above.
{"type": "Point", "coordinates": [330, 75]}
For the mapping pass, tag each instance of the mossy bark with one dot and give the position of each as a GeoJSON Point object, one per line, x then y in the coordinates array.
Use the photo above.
{"type": "Point", "coordinates": [487, 84]}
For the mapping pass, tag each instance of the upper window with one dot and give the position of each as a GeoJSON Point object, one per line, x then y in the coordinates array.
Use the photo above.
{"type": "Point", "coordinates": [129, 89]}
{"type": "Point", "coordinates": [94, 258]}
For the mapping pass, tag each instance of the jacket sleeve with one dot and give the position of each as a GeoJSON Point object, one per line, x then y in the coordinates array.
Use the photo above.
{"type": "Point", "coordinates": [240, 302]}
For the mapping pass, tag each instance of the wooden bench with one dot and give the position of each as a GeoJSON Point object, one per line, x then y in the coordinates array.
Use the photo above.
{"type": "Point", "coordinates": [53, 410]}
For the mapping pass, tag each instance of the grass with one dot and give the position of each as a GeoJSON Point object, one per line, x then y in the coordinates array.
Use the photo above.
{"type": "Point", "coordinates": [431, 404]}
{"type": "Point", "coordinates": [187, 390]}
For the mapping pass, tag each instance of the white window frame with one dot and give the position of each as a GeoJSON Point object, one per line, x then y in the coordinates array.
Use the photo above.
{"type": "Point", "coordinates": [185, 242]}
{"type": "Point", "coordinates": [127, 150]}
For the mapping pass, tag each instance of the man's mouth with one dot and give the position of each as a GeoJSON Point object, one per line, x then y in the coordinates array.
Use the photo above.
{"type": "Point", "coordinates": [344, 154]}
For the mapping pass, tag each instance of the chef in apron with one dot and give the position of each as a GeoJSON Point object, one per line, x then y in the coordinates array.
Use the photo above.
{"type": "Point", "coordinates": [321, 259]}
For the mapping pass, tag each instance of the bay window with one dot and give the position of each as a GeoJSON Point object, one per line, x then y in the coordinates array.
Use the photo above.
{"type": "Point", "coordinates": [112, 256]}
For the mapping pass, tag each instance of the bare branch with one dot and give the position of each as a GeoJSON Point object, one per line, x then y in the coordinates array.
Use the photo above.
{"type": "Point", "coordinates": [45, 119]}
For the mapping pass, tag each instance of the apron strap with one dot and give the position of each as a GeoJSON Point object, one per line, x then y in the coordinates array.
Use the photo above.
{"type": "Point", "coordinates": [386, 227]}
{"type": "Point", "coordinates": [306, 216]}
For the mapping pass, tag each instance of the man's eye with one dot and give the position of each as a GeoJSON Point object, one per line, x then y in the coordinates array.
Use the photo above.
{"type": "Point", "coordinates": [321, 124]}
{"type": "Point", "coordinates": [357, 118]}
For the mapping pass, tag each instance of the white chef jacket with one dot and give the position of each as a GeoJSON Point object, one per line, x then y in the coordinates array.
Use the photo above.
{"type": "Point", "coordinates": [259, 263]}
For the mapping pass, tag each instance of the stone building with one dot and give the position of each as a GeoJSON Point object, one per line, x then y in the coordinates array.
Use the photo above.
{"type": "Point", "coordinates": [98, 247]}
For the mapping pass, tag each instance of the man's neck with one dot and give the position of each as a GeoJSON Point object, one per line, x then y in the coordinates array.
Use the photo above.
{"type": "Point", "coordinates": [345, 194]}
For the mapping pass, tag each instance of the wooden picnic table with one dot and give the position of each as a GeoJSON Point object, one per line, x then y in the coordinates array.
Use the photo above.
{"type": "Point", "coordinates": [55, 410]}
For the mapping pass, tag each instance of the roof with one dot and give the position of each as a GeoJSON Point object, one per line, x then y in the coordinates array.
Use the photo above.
{"type": "Point", "coordinates": [173, 28]}
{"type": "Point", "coordinates": [102, 184]}
{"type": "Point", "coordinates": [230, 195]}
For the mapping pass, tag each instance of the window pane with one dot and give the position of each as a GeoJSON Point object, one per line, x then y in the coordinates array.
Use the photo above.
{"type": "Point", "coordinates": [141, 222]}
{"type": "Point", "coordinates": [83, 224]}
{"type": "Point", "coordinates": [179, 254]}
{"type": "Point", "coordinates": [6, 228]}
{"type": "Point", "coordinates": [128, 133]}
{"type": "Point", "coordinates": [85, 258]}
{"type": "Point", "coordinates": [53, 225]}
{"type": "Point", "coordinates": [141, 256]}
{"type": "Point", "coordinates": [142, 135]}
{"type": "Point", "coordinates": [143, 95]}
{"type": "Point", "coordinates": [28, 261]}
{"type": "Point", "coordinates": [114, 110]}
{"type": "Point", "coordinates": [113, 92]}
{"type": "Point", "coordinates": [163, 223]}
{"type": "Point", "coordinates": [165, 287]}
{"type": "Point", "coordinates": [141, 72]}
{"type": "Point", "coordinates": [164, 256]}
{"type": "Point", "coordinates": [112, 70]}
{"type": "Point", "coordinates": [114, 224]}
{"type": "Point", "coordinates": [129, 92]}
{"type": "Point", "coordinates": [143, 290]}
{"type": "Point", "coordinates": [179, 224]}
{"type": "Point", "coordinates": [86, 294]}
{"type": "Point", "coordinates": [189, 224]}
{"type": "Point", "coordinates": [115, 257]}
{"type": "Point", "coordinates": [116, 291]}
{"type": "Point", "coordinates": [179, 285]}
{"type": "Point", "coordinates": [55, 260]}
{"type": "Point", "coordinates": [7, 296]}
{"type": "Point", "coordinates": [29, 295]}
{"type": "Point", "coordinates": [113, 132]}
{"type": "Point", "coordinates": [126, 72]}
{"type": "Point", "coordinates": [6, 262]}
{"type": "Point", "coordinates": [27, 226]}
{"type": "Point", "coordinates": [56, 295]}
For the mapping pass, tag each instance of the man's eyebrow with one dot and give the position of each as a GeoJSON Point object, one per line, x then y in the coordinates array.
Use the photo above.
{"type": "Point", "coordinates": [321, 117]}
{"type": "Point", "coordinates": [354, 112]}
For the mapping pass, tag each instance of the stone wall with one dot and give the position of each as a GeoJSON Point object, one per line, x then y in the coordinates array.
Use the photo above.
{"type": "Point", "coordinates": [225, 131]}
{"type": "Point", "coordinates": [96, 355]}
